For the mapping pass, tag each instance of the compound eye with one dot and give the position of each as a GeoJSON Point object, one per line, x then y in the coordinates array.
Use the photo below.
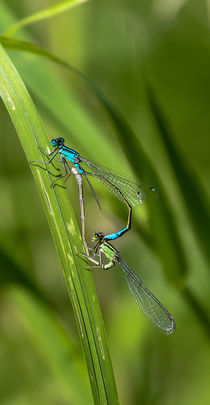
{"type": "Point", "coordinates": [53, 142]}
{"type": "Point", "coordinates": [99, 235]}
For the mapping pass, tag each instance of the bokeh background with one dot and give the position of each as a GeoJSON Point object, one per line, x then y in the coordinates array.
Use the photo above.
{"type": "Point", "coordinates": [152, 61]}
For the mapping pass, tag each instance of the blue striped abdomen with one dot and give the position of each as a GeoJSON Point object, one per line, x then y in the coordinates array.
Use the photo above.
{"type": "Point", "coordinates": [68, 154]}
{"type": "Point", "coordinates": [71, 156]}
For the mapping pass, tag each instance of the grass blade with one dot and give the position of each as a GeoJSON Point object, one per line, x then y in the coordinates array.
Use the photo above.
{"type": "Point", "coordinates": [65, 234]}
{"type": "Point", "coordinates": [43, 15]}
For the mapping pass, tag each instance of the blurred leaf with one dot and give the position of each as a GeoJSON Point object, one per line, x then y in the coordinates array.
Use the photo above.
{"type": "Point", "coordinates": [197, 308]}
{"type": "Point", "coordinates": [65, 233]}
{"type": "Point", "coordinates": [193, 193]}
{"type": "Point", "coordinates": [55, 346]}
{"type": "Point", "coordinates": [12, 273]}
{"type": "Point", "coordinates": [43, 15]}
{"type": "Point", "coordinates": [11, 43]}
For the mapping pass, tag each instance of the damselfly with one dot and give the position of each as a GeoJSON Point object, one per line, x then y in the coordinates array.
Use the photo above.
{"type": "Point", "coordinates": [148, 303]}
{"type": "Point", "coordinates": [131, 191]}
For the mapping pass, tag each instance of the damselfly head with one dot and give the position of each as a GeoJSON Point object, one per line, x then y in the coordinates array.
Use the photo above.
{"type": "Point", "coordinates": [98, 236]}
{"type": "Point", "coordinates": [57, 142]}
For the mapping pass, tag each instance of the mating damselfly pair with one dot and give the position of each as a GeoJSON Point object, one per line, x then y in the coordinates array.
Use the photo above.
{"type": "Point", "coordinates": [132, 192]}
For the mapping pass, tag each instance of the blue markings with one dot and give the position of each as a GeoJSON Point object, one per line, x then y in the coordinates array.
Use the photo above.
{"type": "Point", "coordinates": [72, 156]}
{"type": "Point", "coordinates": [68, 154]}
{"type": "Point", "coordinates": [116, 235]}
{"type": "Point", "coordinates": [80, 170]}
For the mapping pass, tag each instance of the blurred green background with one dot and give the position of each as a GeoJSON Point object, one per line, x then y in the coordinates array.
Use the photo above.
{"type": "Point", "coordinates": [152, 60]}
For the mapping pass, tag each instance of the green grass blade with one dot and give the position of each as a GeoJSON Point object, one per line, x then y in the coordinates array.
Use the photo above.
{"type": "Point", "coordinates": [16, 44]}
{"type": "Point", "coordinates": [193, 193]}
{"type": "Point", "coordinates": [57, 349]}
{"type": "Point", "coordinates": [65, 233]}
{"type": "Point", "coordinates": [43, 15]}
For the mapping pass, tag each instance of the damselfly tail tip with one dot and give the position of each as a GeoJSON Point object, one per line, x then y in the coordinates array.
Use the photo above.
{"type": "Point", "coordinates": [171, 329]}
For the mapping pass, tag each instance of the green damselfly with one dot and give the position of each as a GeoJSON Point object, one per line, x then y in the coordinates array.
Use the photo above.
{"type": "Point", "coordinates": [148, 303]}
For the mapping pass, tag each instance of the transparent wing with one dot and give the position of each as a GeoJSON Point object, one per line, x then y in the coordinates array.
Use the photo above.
{"type": "Point", "coordinates": [148, 303]}
{"type": "Point", "coordinates": [133, 190]}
